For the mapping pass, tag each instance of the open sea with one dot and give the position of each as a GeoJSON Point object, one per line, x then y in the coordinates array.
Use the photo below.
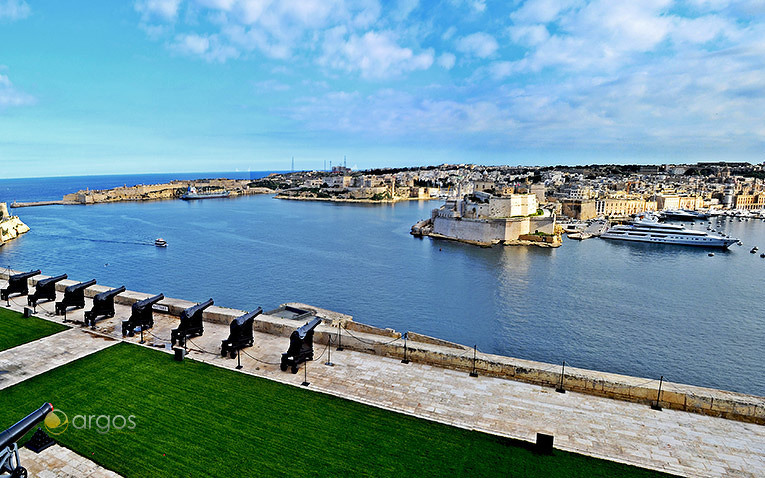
{"type": "Point", "coordinates": [638, 309]}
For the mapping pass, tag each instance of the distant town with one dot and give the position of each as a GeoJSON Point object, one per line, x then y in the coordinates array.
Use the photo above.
{"type": "Point", "coordinates": [487, 205]}
{"type": "Point", "coordinates": [581, 192]}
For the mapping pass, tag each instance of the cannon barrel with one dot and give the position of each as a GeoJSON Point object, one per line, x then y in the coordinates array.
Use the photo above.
{"type": "Point", "coordinates": [242, 319]}
{"type": "Point", "coordinates": [24, 275]}
{"type": "Point", "coordinates": [101, 296]}
{"type": "Point", "coordinates": [308, 327]}
{"type": "Point", "coordinates": [191, 311]}
{"type": "Point", "coordinates": [17, 431]}
{"type": "Point", "coordinates": [81, 285]}
{"type": "Point", "coordinates": [148, 302]}
{"type": "Point", "coordinates": [51, 280]}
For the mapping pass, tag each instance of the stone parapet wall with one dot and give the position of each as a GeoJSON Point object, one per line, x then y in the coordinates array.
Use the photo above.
{"type": "Point", "coordinates": [444, 354]}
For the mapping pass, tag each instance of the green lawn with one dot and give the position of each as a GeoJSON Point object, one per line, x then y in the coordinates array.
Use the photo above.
{"type": "Point", "coordinates": [16, 330]}
{"type": "Point", "coordinates": [194, 419]}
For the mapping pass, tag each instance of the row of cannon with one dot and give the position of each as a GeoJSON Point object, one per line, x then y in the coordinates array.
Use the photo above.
{"type": "Point", "coordinates": [142, 317]}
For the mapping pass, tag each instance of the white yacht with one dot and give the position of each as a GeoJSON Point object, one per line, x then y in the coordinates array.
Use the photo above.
{"type": "Point", "coordinates": [647, 230]}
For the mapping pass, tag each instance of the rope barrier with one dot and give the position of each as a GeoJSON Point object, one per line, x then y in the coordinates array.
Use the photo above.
{"type": "Point", "coordinates": [370, 342]}
{"type": "Point", "coordinates": [200, 348]}
{"type": "Point", "coordinates": [258, 360]}
{"type": "Point", "coordinates": [157, 337]}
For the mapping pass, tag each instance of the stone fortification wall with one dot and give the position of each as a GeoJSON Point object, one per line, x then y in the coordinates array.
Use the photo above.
{"type": "Point", "coordinates": [482, 231]}
{"type": "Point", "coordinates": [428, 350]}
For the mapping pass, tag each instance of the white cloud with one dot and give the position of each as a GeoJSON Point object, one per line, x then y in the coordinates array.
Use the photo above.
{"type": "Point", "coordinates": [542, 11]}
{"type": "Point", "coordinates": [14, 9]}
{"type": "Point", "coordinates": [530, 35]}
{"type": "Point", "coordinates": [208, 47]}
{"type": "Point", "coordinates": [157, 9]}
{"type": "Point", "coordinates": [374, 54]}
{"type": "Point", "coordinates": [446, 60]}
{"type": "Point", "coordinates": [404, 8]}
{"type": "Point", "coordinates": [449, 33]}
{"type": "Point", "coordinates": [480, 44]}
{"type": "Point", "coordinates": [11, 96]}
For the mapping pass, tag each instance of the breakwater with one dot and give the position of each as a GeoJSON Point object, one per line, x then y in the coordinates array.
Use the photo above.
{"type": "Point", "coordinates": [440, 353]}
{"type": "Point", "coordinates": [171, 190]}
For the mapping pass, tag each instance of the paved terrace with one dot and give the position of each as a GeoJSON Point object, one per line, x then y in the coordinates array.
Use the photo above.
{"type": "Point", "coordinates": [678, 442]}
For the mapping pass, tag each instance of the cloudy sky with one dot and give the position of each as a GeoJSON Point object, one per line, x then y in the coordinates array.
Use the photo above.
{"type": "Point", "coordinates": [216, 85]}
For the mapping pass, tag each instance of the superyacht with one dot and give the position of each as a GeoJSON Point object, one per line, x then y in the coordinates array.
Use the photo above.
{"type": "Point", "coordinates": [647, 229]}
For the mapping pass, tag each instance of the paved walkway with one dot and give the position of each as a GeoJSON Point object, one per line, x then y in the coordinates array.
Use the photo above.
{"type": "Point", "coordinates": [33, 358]}
{"type": "Point", "coordinates": [60, 462]}
{"type": "Point", "coordinates": [673, 441]}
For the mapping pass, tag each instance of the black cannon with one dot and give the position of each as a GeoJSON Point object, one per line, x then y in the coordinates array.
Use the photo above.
{"type": "Point", "coordinates": [45, 289]}
{"type": "Point", "coordinates": [74, 296]}
{"type": "Point", "coordinates": [103, 305]}
{"type": "Point", "coordinates": [9, 449]}
{"type": "Point", "coordinates": [191, 324]}
{"type": "Point", "coordinates": [240, 333]}
{"type": "Point", "coordinates": [17, 284]}
{"type": "Point", "coordinates": [301, 346]}
{"type": "Point", "coordinates": [141, 316]}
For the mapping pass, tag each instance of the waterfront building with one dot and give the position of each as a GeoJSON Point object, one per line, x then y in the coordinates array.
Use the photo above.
{"type": "Point", "coordinates": [581, 209]}
{"type": "Point", "coordinates": [621, 207]}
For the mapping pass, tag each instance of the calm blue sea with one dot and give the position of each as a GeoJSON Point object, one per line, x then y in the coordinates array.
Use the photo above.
{"type": "Point", "coordinates": [638, 309]}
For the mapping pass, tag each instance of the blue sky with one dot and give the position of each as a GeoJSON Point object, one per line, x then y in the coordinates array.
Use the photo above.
{"type": "Point", "coordinates": [216, 85]}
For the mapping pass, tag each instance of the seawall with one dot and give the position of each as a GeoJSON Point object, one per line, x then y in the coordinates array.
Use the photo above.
{"type": "Point", "coordinates": [444, 354]}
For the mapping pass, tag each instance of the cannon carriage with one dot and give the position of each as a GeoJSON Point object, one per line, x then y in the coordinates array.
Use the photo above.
{"type": "Point", "coordinates": [18, 284]}
{"type": "Point", "coordinates": [240, 334]}
{"type": "Point", "coordinates": [9, 449]}
{"type": "Point", "coordinates": [191, 324]}
{"type": "Point", "coordinates": [141, 316]}
{"type": "Point", "coordinates": [45, 290]}
{"type": "Point", "coordinates": [74, 296]}
{"type": "Point", "coordinates": [103, 305]}
{"type": "Point", "coordinates": [301, 346]}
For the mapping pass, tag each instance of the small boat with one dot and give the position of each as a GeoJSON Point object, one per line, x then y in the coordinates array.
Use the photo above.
{"type": "Point", "coordinates": [711, 254]}
{"type": "Point", "coordinates": [192, 193]}
{"type": "Point", "coordinates": [762, 255]}
{"type": "Point", "coordinates": [160, 242]}
{"type": "Point", "coordinates": [754, 249]}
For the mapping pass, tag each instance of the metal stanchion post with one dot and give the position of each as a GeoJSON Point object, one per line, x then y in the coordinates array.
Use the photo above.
{"type": "Point", "coordinates": [238, 359]}
{"type": "Point", "coordinates": [305, 375]}
{"type": "Point", "coordinates": [406, 360]}
{"type": "Point", "coordinates": [329, 353]}
{"type": "Point", "coordinates": [560, 388]}
{"type": "Point", "coordinates": [142, 340]}
{"type": "Point", "coordinates": [339, 337]}
{"type": "Point", "coordinates": [474, 373]}
{"type": "Point", "coordinates": [656, 405]}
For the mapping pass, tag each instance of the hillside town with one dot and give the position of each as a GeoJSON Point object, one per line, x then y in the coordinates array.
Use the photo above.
{"type": "Point", "coordinates": [578, 192]}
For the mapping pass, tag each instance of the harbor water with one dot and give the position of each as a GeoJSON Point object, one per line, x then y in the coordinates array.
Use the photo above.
{"type": "Point", "coordinates": [638, 309]}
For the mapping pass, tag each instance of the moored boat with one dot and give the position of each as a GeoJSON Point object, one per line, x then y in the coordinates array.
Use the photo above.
{"type": "Point", "coordinates": [192, 193]}
{"type": "Point", "coordinates": [647, 230]}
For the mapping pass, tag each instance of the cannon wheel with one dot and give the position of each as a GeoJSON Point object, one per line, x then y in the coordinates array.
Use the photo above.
{"type": "Point", "coordinates": [294, 368]}
{"type": "Point", "coordinates": [283, 366]}
{"type": "Point", "coordinates": [19, 472]}
{"type": "Point", "coordinates": [233, 354]}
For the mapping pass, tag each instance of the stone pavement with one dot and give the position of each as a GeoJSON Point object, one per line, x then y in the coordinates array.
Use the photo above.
{"type": "Point", "coordinates": [34, 358]}
{"type": "Point", "coordinates": [677, 442]}
{"type": "Point", "coordinates": [60, 462]}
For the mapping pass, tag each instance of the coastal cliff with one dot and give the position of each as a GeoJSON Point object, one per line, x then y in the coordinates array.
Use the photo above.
{"type": "Point", "coordinates": [11, 227]}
